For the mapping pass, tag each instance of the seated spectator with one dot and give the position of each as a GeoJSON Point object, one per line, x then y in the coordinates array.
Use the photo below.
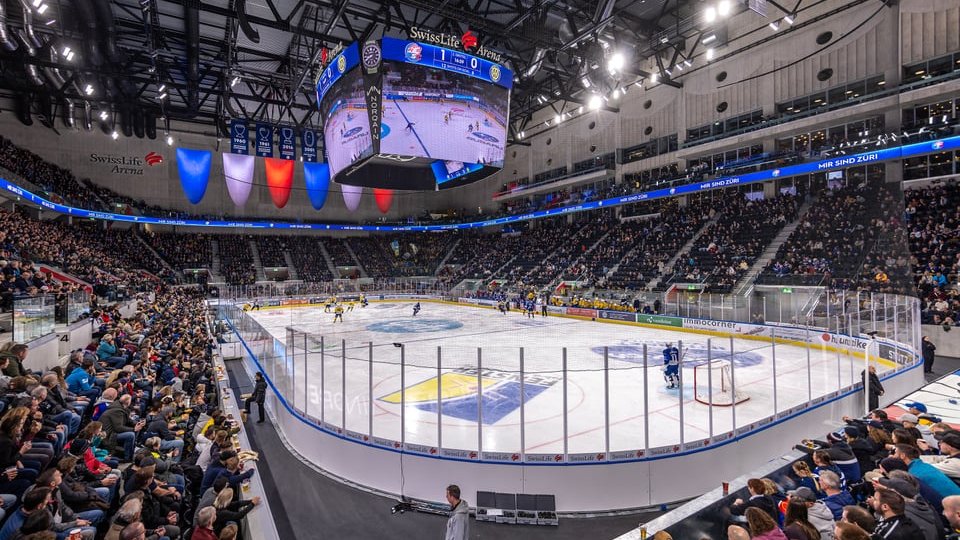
{"type": "Point", "coordinates": [926, 473]}
{"type": "Point", "coordinates": [836, 497]}
{"type": "Point", "coordinates": [203, 530]}
{"type": "Point", "coordinates": [229, 510]}
{"type": "Point", "coordinates": [948, 462]}
{"type": "Point", "coordinates": [758, 499]}
{"type": "Point", "coordinates": [915, 507]}
{"type": "Point", "coordinates": [849, 531]}
{"type": "Point", "coordinates": [893, 524]}
{"type": "Point", "coordinates": [796, 525]}
{"type": "Point", "coordinates": [817, 512]}
{"type": "Point", "coordinates": [33, 501]}
{"type": "Point", "coordinates": [859, 517]}
{"type": "Point", "coordinates": [824, 462]}
{"type": "Point", "coordinates": [762, 526]}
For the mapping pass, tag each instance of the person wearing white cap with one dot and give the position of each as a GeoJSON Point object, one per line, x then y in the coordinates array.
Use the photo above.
{"type": "Point", "coordinates": [912, 423]}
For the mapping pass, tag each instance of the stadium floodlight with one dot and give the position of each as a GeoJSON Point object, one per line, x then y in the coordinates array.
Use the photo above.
{"type": "Point", "coordinates": [711, 53]}
{"type": "Point", "coordinates": [42, 9]}
{"type": "Point", "coordinates": [580, 110]}
{"type": "Point", "coordinates": [162, 88]}
{"type": "Point", "coordinates": [616, 62]}
{"type": "Point", "coordinates": [104, 115]}
{"type": "Point", "coordinates": [595, 102]}
{"type": "Point", "coordinates": [654, 77]}
{"type": "Point", "coordinates": [615, 94]}
{"type": "Point", "coordinates": [789, 19]}
{"type": "Point", "coordinates": [162, 96]}
{"type": "Point", "coordinates": [236, 79]}
{"type": "Point", "coordinates": [775, 25]}
{"type": "Point", "coordinates": [585, 81]}
{"type": "Point", "coordinates": [724, 8]}
{"type": "Point", "coordinates": [36, 3]}
{"type": "Point", "coordinates": [66, 50]}
{"type": "Point", "coordinates": [114, 135]}
{"type": "Point", "coordinates": [88, 89]}
{"type": "Point", "coordinates": [170, 140]}
{"type": "Point", "coordinates": [558, 118]}
{"type": "Point", "coordinates": [667, 71]}
{"type": "Point", "coordinates": [709, 39]}
{"type": "Point", "coordinates": [679, 66]}
{"type": "Point", "coordinates": [687, 63]}
{"type": "Point", "coordinates": [709, 14]}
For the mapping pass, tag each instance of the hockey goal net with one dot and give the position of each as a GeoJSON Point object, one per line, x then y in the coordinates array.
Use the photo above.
{"type": "Point", "coordinates": [713, 383]}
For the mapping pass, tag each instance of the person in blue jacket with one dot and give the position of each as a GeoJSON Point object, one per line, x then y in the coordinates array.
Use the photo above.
{"type": "Point", "coordinates": [107, 352]}
{"type": "Point", "coordinates": [81, 381]}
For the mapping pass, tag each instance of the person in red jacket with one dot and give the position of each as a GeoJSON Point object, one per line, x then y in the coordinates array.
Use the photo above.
{"type": "Point", "coordinates": [204, 527]}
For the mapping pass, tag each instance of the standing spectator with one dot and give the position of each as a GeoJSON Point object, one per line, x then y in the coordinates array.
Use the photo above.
{"type": "Point", "coordinates": [929, 350]}
{"type": "Point", "coordinates": [258, 396]}
{"type": "Point", "coordinates": [893, 524]}
{"type": "Point", "coordinates": [876, 388]}
{"type": "Point", "coordinates": [458, 526]}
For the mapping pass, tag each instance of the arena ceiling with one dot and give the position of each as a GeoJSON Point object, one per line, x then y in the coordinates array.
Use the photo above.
{"type": "Point", "coordinates": [257, 59]}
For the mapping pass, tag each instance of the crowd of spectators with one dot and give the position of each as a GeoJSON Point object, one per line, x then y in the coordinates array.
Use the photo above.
{"type": "Point", "coordinates": [724, 252]}
{"type": "Point", "coordinates": [236, 260]}
{"type": "Point", "coordinates": [338, 252]}
{"type": "Point", "coordinates": [59, 183]}
{"type": "Point", "coordinates": [271, 250]}
{"type": "Point", "coordinates": [933, 222]}
{"type": "Point", "coordinates": [308, 258]}
{"type": "Point", "coordinates": [877, 478]}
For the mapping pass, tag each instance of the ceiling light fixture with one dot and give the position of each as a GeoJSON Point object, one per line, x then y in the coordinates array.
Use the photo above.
{"type": "Point", "coordinates": [789, 19]}
{"type": "Point", "coordinates": [616, 61]}
{"type": "Point", "coordinates": [104, 115]}
{"type": "Point", "coordinates": [710, 14]}
{"type": "Point", "coordinates": [710, 54]}
{"type": "Point", "coordinates": [595, 102]}
{"type": "Point", "coordinates": [114, 135]}
{"type": "Point", "coordinates": [775, 25]}
{"type": "Point", "coordinates": [88, 89]}
{"type": "Point", "coordinates": [724, 8]}
{"type": "Point", "coordinates": [709, 39]}
{"type": "Point", "coordinates": [169, 140]}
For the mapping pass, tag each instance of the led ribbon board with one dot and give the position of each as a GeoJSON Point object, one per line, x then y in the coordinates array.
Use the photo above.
{"type": "Point", "coordinates": [866, 158]}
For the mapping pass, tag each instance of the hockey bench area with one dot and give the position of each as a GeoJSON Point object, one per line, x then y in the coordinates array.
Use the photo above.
{"type": "Point", "coordinates": [352, 405]}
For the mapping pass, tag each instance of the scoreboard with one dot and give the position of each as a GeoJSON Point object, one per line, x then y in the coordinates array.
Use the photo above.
{"type": "Point", "coordinates": [432, 56]}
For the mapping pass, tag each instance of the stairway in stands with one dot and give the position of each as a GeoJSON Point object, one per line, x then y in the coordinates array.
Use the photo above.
{"type": "Point", "coordinates": [668, 266]}
{"type": "Point", "coordinates": [166, 264]}
{"type": "Point", "coordinates": [257, 263]}
{"type": "Point", "coordinates": [770, 251]}
{"type": "Point", "coordinates": [291, 268]}
{"type": "Point", "coordinates": [215, 275]}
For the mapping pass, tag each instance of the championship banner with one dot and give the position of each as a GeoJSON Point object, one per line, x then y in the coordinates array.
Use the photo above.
{"type": "Point", "coordinates": [239, 137]}
{"type": "Point", "coordinates": [317, 178]}
{"type": "Point", "coordinates": [308, 145]}
{"type": "Point", "coordinates": [265, 140]}
{"type": "Point", "coordinates": [351, 196]}
{"type": "Point", "coordinates": [287, 143]}
{"type": "Point", "coordinates": [371, 58]}
{"type": "Point", "coordinates": [238, 174]}
{"type": "Point", "coordinates": [194, 169]}
{"type": "Point", "coordinates": [279, 180]}
{"type": "Point", "coordinates": [384, 198]}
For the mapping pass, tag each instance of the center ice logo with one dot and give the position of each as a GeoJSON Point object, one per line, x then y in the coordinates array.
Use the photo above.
{"type": "Point", "coordinates": [415, 326]}
{"type": "Point", "coordinates": [458, 393]}
{"type": "Point", "coordinates": [693, 354]}
{"type": "Point", "coordinates": [484, 137]}
{"type": "Point", "coordinates": [351, 132]}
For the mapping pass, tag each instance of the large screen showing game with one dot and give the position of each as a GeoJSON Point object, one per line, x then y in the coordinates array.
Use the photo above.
{"type": "Point", "coordinates": [346, 126]}
{"type": "Point", "coordinates": [433, 109]}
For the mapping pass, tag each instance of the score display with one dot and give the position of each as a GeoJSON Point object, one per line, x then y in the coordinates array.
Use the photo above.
{"type": "Point", "coordinates": [432, 117]}
{"type": "Point", "coordinates": [432, 56]}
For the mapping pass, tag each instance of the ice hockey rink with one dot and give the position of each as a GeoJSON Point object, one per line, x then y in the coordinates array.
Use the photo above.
{"type": "Point", "coordinates": [468, 334]}
{"type": "Point", "coordinates": [432, 137]}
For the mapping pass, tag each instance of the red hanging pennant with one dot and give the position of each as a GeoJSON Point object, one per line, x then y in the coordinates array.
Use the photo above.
{"type": "Point", "coordinates": [384, 198]}
{"type": "Point", "coordinates": [279, 180]}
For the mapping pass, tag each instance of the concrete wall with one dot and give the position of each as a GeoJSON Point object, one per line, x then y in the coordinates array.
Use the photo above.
{"type": "Point", "coordinates": [947, 341]}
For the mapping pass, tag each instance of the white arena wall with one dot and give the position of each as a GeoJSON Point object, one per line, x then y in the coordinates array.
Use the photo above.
{"type": "Point", "coordinates": [647, 478]}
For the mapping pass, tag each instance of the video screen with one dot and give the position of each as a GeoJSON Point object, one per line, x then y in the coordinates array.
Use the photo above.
{"type": "Point", "coordinates": [443, 115]}
{"type": "Point", "coordinates": [346, 126]}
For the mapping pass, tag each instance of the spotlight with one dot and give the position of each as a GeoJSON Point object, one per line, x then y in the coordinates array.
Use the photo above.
{"type": "Point", "coordinates": [710, 14]}
{"type": "Point", "coordinates": [36, 3]}
{"type": "Point", "coordinates": [104, 115]}
{"type": "Point", "coordinates": [585, 82]}
{"type": "Point", "coordinates": [615, 63]}
{"type": "Point", "coordinates": [710, 54]}
{"type": "Point", "coordinates": [679, 67]}
{"type": "Point", "coordinates": [615, 94]}
{"type": "Point", "coordinates": [687, 63]}
{"type": "Point", "coordinates": [709, 39]}
{"type": "Point", "coordinates": [653, 78]}
{"type": "Point", "coordinates": [522, 134]}
{"type": "Point", "coordinates": [724, 8]}
{"type": "Point", "coordinates": [169, 140]}
{"type": "Point", "coordinates": [66, 50]}
{"type": "Point", "coordinates": [162, 88]}
{"type": "Point", "coordinates": [235, 80]}
{"type": "Point", "coordinates": [114, 135]}
{"type": "Point", "coordinates": [42, 9]}
{"type": "Point", "coordinates": [775, 25]}
{"type": "Point", "coordinates": [88, 89]}
{"type": "Point", "coordinates": [667, 71]}
{"type": "Point", "coordinates": [558, 118]}
{"type": "Point", "coordinates": [162, 96]}
{"type": "Point", "coordinates": [70, 56]}
{"type": "Point", "coordinates": [580, 110]}
{"type": "Point", "coordinates": [789, 19]}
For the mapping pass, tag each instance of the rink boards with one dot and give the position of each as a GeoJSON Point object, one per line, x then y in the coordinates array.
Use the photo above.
{"type": "Point", "coordinates": [725, 454]}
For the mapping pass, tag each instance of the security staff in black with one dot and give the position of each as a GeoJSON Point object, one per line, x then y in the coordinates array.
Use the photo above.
{"type": "Point", "coordinates": [258, 395]}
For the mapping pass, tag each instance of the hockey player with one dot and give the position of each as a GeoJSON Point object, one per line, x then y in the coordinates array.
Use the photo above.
{"type": "Point", "coordinates": [338, 313]}
{"type": "Point", "coordinates": [541, 307]}
{"type": "Point", "coordinates": [416, 309]}
{"type": "Point", "coordinates": [363, 301]}
{"type": "Point", "coordinates": [328, 305]}
{"type": "Point", "coordinates": [502, 307]}
{"type": "Point", "coordinates": [528, 306]}
{"type": "Point", "coordinates": [671, 366]}
{"type": "Point", "coordinates": [350, 306]}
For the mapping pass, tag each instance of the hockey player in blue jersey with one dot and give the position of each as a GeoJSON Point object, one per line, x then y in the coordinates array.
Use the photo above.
{"type": "Point", "coordinates": [671, 366]}
{"type": "Point", "coordinates": [416, 309]}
